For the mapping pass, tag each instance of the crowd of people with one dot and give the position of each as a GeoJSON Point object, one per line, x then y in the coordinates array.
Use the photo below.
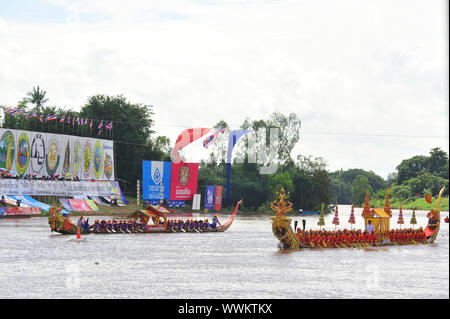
{"type": "Point", "coordinates": [357, 238]}
{"type": "Point", "coordinates": [407, 236]}
{"type": "Point", "coordinates": [340, 238]}
{"type": "Point", "coordinates": [33, 177]}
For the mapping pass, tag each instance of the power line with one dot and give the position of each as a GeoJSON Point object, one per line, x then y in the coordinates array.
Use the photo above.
{"type": "Point", "coordinates": [374, 135]}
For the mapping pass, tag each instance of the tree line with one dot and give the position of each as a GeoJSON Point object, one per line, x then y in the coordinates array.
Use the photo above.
{"type": "Point", "coordinates": [416, 176]}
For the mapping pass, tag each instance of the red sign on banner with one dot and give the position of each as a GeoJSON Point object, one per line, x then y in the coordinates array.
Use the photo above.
{"type": "Point", "coordinates": [183, 184]}
{"type": "Point", "coordinates": [218, 198]}
{"type": "Point", "coordinates": [23, 211]}
{"type": "Point", "coordinates": [79, 205]}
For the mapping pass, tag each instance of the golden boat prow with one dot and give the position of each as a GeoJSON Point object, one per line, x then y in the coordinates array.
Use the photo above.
{"type": "Point", "coordinates": [63, 225]}
{"type": "Point", "coordinates": [282, 230]}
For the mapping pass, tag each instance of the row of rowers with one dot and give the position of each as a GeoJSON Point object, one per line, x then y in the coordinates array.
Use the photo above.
{"type": "Point", "coordinates": [135, 226]}
{"type": "Point", "coordinates": [357, 237]}
{"type": "Point", "coordinates": [190, 224]}
{"type": "Point", "coordinates": [126, 226]}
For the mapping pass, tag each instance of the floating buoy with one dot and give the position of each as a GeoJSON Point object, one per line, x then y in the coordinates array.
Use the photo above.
{"type": "Point", "coordinates": [78, 232]}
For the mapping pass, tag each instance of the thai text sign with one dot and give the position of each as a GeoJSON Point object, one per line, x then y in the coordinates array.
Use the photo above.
{"type": "Point", "coordinates": [183, 181]}
{"type": "Point", "coordinates": [156, 175]}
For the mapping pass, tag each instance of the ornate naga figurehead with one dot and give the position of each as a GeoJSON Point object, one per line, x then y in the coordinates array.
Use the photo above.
{"type": "Point", "coordinates": [281, 205]}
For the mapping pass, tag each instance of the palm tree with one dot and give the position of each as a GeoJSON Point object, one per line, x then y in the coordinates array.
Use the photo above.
{"type": "Point", "coordinates": [37, 96]}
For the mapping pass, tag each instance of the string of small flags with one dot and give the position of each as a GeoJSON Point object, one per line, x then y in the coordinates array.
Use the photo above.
{"type": "Point", "coordinates": [75, 120]}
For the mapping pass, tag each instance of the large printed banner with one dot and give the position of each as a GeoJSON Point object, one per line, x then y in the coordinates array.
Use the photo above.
{"type": "Point", "coordinates": [183, 181]}
{"type": "Point", "coordinates": [26, 152]}
{"type": "Point", "coordinates": [54, 188]}
{"type": "Point", "coordinates": [209, 197]}
{"type": "Point", "coordinates": [218, 198]}
{"type": "Point", "coordinates": [156, 174]}
{"type": "Point", "coordinates": [18, 211]}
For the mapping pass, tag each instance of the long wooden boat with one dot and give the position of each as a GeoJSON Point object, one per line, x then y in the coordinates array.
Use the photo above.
{"type": "Point", "coordinates": [289, 239]}
{"type": "Point", "coordinates": [63, 225]}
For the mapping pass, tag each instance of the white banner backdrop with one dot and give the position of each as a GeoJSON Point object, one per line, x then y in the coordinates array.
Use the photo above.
{"type": "Point", "coordinates": [54, 188]}
{"type": "Point", "coordinates": [46, 154]}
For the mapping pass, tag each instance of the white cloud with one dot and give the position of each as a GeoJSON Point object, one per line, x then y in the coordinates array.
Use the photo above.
{"type": "Point", "coordinates": [347, 66]}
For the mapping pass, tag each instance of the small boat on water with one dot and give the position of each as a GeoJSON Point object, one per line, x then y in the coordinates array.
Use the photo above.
{"type": "Point", "coordinates": [158, 215]}
{"type": "Point", "coordinates": [378, 218]}
{"type": "Point", "coordinates": [305, 212]}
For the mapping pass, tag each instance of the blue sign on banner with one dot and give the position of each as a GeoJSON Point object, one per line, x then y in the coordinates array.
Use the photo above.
{"type": "Point", "coordinates": [209, 197]}
{"type": "Point", "coordinates": [156, 174]}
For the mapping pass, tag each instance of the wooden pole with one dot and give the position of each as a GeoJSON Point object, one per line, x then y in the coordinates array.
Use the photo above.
{"type": "Point", "coordinates": [137, 193]}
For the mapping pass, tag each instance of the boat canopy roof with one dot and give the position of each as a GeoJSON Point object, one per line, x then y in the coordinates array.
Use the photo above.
{"type": "Point", "coordinates": [379, 212]}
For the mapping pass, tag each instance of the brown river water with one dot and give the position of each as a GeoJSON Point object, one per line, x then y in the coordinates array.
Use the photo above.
{"type": "Point", "coordinates": [244, 262]}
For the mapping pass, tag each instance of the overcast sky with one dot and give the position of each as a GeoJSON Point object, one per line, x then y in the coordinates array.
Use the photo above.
{"type": "Point", "coordinates": [352, 69]}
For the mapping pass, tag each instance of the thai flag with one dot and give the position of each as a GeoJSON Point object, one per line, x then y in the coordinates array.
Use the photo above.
{"type": "Point", "coordinates": [73, 121]}
{"type": "Point", "coordinates": [213, 137]}
{"type": "Point", "coordinates": [27, 115]}
{"type": "Point", "coordinates": [41, 118]}
{"type": "Point", "coordinates": [68, 120]}
{"type": "Point", "coordinates": [34, 115]}
{"type": "Point", "coordinates": [90, 125]}
{"type": "Point", "coordinates": [85, 121]}
{"type": "Point", "coordinates": [62, 119]}
{"type": "Point", "coordinates": [100, 125]}
{"type": "Point", "coordinates": [13, 112]}
{"type": "Point", "coordinates": [109, 126]}
{"type": "Point", "coordinates": [51, 118]}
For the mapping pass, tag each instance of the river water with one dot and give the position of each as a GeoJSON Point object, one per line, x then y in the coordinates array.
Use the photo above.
{"type": "Point", "coordinates": [242, 263]}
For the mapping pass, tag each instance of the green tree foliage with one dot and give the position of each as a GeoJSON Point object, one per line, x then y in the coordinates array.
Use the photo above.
{"type": "Point", "coordinates": [342, 182]}
{"type": "Point", "coordinates": [312, 183]}
{"type": "Point", "coordinates": [411, 167]}
{"type": "Point", "coordinates": [400, 192]}
{"type": "Point", "coordinates": [359, 188]}
{"type": "Point", "coordinates": [132, 134]}
{"type": "Point", "coordinates": [276, 181]}
{"type": "Point", "coordinates": [435, 164]}
{"type": "Point", "coordinates": [426, 183]}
